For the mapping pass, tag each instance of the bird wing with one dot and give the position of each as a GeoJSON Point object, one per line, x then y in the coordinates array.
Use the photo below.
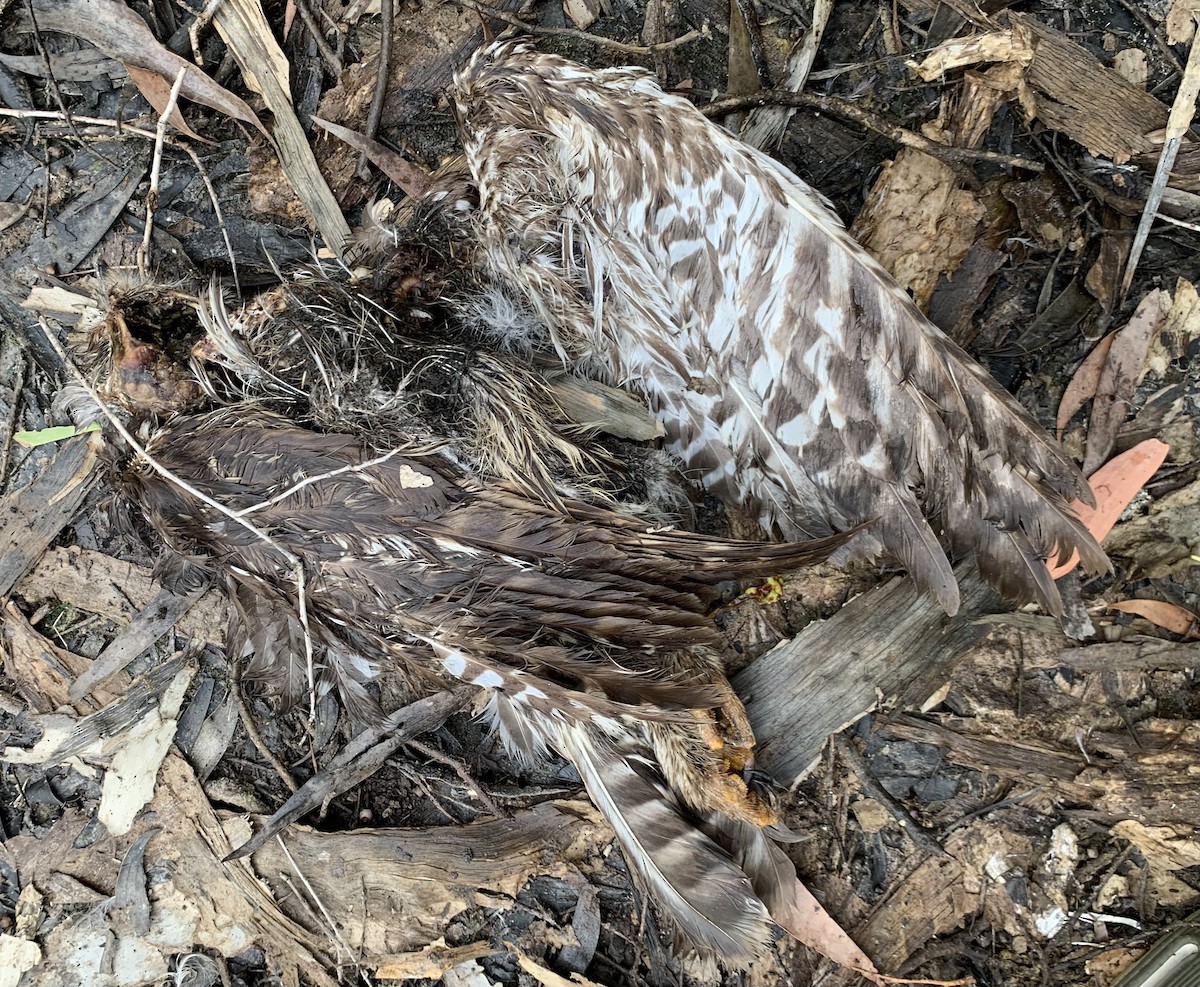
{"type": "Point", "coordinates": [787, 365]}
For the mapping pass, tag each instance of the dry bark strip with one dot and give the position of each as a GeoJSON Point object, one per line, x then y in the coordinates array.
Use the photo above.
{"type": "Point", "coordinates": [30, 518]}
{"type": "Point", "coordinates": [360, 759]}
{"type": "Point", "coordinates": [98, 583]}
{"type": "Point", "coordinates": [889, 642]}
{"type": "Point", "coordinates": [1088, 101]}
{"type": "Point", "coordinates": [1147, 777]}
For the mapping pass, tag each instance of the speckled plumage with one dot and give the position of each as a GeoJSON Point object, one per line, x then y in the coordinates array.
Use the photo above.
{"type": "Point", "coordinates": [792, 373]}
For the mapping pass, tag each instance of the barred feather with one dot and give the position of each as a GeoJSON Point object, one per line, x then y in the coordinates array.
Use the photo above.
{"type": "Point", "coordinates": [791, 372]}
{"type": "Point", "coordinates": [408, 556]}
{"type": "Point", "coordinates": [565, 621]}
{"type": "Point", "coordinates": [709, 898]}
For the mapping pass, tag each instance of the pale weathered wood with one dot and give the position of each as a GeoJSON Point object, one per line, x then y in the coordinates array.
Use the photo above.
{"type": "Point", "coordinates": [889, 643]}
{"type": "Point", "coordinates": [397, 890]}
{"type": "Point", "coordinates": [31, 517]}
{"type": "Point", "coordinates": [99, 583]}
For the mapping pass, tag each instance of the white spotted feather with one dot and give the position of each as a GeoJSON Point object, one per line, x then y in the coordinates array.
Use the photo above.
{"type": "Point", "coordinates": [789, 369]}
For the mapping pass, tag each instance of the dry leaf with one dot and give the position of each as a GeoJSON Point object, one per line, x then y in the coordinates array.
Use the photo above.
{"type": "Point", "coordinates": [742, 73]}
{"type": "Point", "coordinates": [157, 91]}
{"type": "Point", "coordinates": [1082, 387]}
{"type": "Point", "coordinates": [411, 179]}
{"type": "Point", "coordinates": [1168, 616]}
{"type": "Point", "coordinates": [1123, 371]}
{"type": "Point", "coordinates": [121, 34]}
{"type": "Point", "coordinates": [814, 927]}
{"type": "Point", "coordinates": [1114, 486]}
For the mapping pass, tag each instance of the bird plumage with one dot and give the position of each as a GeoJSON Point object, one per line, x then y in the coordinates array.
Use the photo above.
{"type": "Point", "coordinates": [403, 348]}
{"type": "Point", "coordinates": [585, 629]}
{"type": "Point", "coordinates": [791, 372]}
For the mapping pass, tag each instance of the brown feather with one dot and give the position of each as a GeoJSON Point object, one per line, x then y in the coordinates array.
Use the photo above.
{"type": "Point", "coordinates": [410, 554]}
{"type": "Point", "coordinates": [567, 621]}
{"type": "Point", "coordinates": [791, 372]}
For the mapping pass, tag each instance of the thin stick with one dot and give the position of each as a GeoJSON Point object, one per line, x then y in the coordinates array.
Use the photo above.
{"type": "Point", "coordinates": [199, 23]}
{"type": "Point", "coordinates": [314, 30]}
{"type": "Point", "coordinates": [334, 934]}
{"type": "Point", "coordinates": [596, 39]}
{"type": "Point", "coordinates": [76, 118]}
{"type": "Point", "coordinates": [871, 121]}
{"type": "Point", "coordinates": [460, 769]}
{"type": "Point", "coordinates": [382, 70]}
{"type": "Point", "coordinates": [301, 484]}
{"type": "Point", "coordinates": [1180, 119]}
{"type": "Point", "coordinates": [51, 78]}
{"type": "Point", "coordinates": [293, 559]}
{"type": "Point", "coordinates": [252, 732]}
{"type": "Point", "coordinates": [160, 136]}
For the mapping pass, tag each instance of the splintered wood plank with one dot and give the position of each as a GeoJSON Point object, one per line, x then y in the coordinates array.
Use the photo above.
{"type": "Point", "coordinates": [41, 671]}
{"type": "Point", "coordinates": [887, 643]}
{"type": "Point", "coordinates": [30, 518]}
{"type": "Point", "coordinates": [200, 902]}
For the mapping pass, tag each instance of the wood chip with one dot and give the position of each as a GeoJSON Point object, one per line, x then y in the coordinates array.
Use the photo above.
{"type": "Point", "coordinates": [30, 518]}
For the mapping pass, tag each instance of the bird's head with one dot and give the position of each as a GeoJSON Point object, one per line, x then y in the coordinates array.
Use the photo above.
{"type": "Point", "coordinates": [138, 352]}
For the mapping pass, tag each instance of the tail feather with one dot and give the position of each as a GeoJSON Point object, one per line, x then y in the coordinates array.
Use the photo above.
{"type": "Point", "coordinates": [770, 871]}
{"type": "Point", "coordinates": [701, 889]}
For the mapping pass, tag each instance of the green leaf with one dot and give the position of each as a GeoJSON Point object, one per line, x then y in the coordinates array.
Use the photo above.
{"type": "Point", "coordinates": [45, 436]}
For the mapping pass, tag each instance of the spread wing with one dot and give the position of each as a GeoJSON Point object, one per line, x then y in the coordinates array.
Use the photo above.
{"type": "Point", "coordinates": [405, 555]}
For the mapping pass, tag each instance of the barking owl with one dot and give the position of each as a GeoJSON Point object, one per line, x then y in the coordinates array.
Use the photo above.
{"type": "Point", "coordinates": [791, 372]}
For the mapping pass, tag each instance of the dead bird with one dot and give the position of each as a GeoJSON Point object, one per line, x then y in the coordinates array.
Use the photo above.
{"type": "Point", "coordinates": [791, 372]}
{"type": "Point", "coordinates": [585, 630]}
